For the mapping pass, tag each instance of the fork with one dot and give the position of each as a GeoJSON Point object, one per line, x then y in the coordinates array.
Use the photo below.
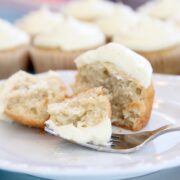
{"type": "Point", "coordinates": [128, 143]}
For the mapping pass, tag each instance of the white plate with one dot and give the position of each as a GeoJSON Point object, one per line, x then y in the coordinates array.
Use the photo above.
{"type": "Point", "coordinates": [30, 151]}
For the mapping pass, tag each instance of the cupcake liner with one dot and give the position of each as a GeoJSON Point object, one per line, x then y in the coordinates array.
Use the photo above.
{"type": "Point", "coordinates": [13, 60]}
{"type": "Point", "coordinates": [52, 59]}
{"type": "Point", "coordinates": [166, 61]}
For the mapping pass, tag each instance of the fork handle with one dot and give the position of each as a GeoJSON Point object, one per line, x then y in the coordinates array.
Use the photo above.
{"type": "Point", "coordinates": [167, 128]}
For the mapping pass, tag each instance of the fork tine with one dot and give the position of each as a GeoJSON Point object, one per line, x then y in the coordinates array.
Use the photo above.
{"type": "Point", "coordinates": [117, 136]}
{"type": "Point", "coordinates": [119, 145]}
{"type": "Point", "coordinates": [114, 134]}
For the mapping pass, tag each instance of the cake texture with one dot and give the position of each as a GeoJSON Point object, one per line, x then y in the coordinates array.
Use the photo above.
{"type": "Point", "coordinates": [13, 49]}
{"type": "Point", "coordinates": [126, 77]}
{"type": "Point", "coordinates": [59, 48]}
{"type": "Point", "coordinates": [26, 97]}
{"type": "Point", "coordinates": [84, 118]}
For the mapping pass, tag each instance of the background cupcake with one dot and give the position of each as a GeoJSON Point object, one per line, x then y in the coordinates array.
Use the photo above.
{"type": "Point", "coordinates": [58, 48]}
{"type": "Point", "coordinates": [158, 41]}
{"type": "Point", "coordinates": [13, 49]}
{"type": "Point", "coordinates": [89, 10]}
{"type": "Point", "coordinates": [39, 21]}
{"type": "Point", "coordinates": [162, 9]}
{"type": "Point", "coordinates": [118, 20]}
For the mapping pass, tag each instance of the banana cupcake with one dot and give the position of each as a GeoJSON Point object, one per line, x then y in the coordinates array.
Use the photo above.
{"type": "Point", "coordinates": [162, 9]}
{"type": "Point", "coordinates": [80, 118]}
{"type": "Point", "coordinates": [120, 19]}
{"type": "Point", "coordinates": [58, 48]}
{"type": "Point", "coordinates": [13, 49]}
{"type": "Point", "coordinates": [25, 97]}
{"type": "Point", "coordinates": [127, 79]}
{"type": "Point", "coordinates": [39, 21]}
{"type": "Point", "coordinates": [89, 10]}
{"type": "Point", "coordinates": [158, 41]}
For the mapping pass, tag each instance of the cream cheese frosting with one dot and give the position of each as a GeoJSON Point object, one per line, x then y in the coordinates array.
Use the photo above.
{"type": "Point", "coordinates": [11, 37]}
{"type": "Point", "coordinates": [39, 21]}
{"type": "Point", "coordinates": [71, 35]}
{"type": "Point", "coordinates": [128, 61]}
{"type": "Point", "coordinates": [89, 9]}
{"type": "Point", "coordinates": [99, 134]}
{"type": "Point", "coordinates": [149, 34]}
{"type": "Point", "coordinates": [121, 18]}
{"type": "Point", "coordinates": [162, 9]}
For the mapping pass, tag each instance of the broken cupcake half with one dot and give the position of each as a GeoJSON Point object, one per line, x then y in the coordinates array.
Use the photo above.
{"type": "Point", "coordinates": [125, 76]}
{"type": "Point", "coordinates": [25, 97]}
{"type": "Point", "coordinates": [84, 118]}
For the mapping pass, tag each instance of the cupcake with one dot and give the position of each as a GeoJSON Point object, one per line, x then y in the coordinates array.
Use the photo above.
{"type": "Point", "coordinates": [39, 21]}
{"type": "Point", "coordinates": [127, 79]}
{"type": "Point", "coordinates": [80, 118]}
{"type": "Point", "coordinates": [26, 97]}
{"type": "Point", "coordinates": [120, 19]}
{"type": "Point", "coordinates": [58, 48]}
{"type": "Point", "coordinates": [89, 10]}
{"type": "Point", "coordinates": [162, 9]}
{"type": "Point", "coordinates": [13, 49]}
{"type": "Point", "coordinates": [158, 41]}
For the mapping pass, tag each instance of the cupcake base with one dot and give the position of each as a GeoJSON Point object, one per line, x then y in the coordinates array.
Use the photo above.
{"type": "Point", "coordinates": [165, 61]}
{"type": "Point", "coordinates": [52, 59]}
{"type": "Point", "coordinates": [13, 60]}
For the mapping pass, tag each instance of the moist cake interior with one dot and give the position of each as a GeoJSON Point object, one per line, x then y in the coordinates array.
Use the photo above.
{"type": "Point", "coordinates": [127, 95]}
{"type": "Point", "coordinates": [85, 110]}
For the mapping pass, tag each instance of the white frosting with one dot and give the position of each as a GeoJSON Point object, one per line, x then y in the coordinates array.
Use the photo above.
{"type": "Point", "coordinates": [149, 34]}
{"type": "Point", "coordinates": [128, 61]}
{"type": "Point", "coordinates": [40, 21]}
{"type": "Point", "coordinates": [99, 134]}
{"type": "Point", "coordinates": [121, 19]}
{"type": "Point", "coordinates": [161, 8]}
{"type": "Point", "coordinates": [89, 9]}
{"type": "Point", "coordinates": [71, 35]}
{"type": "Point", "coordinates": [11, 37]}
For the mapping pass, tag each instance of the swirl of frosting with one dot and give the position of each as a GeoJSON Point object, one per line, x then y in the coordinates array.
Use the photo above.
{"type": "Point", "coordinates": [89, 10]}
{"type": "Point", "coordinates": [39, 21]}
{"type": "Point", "coordinates": [119, 20]}
{"type": "Point", "coordinates": [71, 35]}
{"type": "Point", "coordinates": [11, 37]}
{"type": "Point", "coordinates": [149, 34]}
{"type": "Point", "coordinates": [162, 9]}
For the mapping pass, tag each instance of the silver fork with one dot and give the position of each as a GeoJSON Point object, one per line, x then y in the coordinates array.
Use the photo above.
{"type": "Point", "coordinates": [128, 143]}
